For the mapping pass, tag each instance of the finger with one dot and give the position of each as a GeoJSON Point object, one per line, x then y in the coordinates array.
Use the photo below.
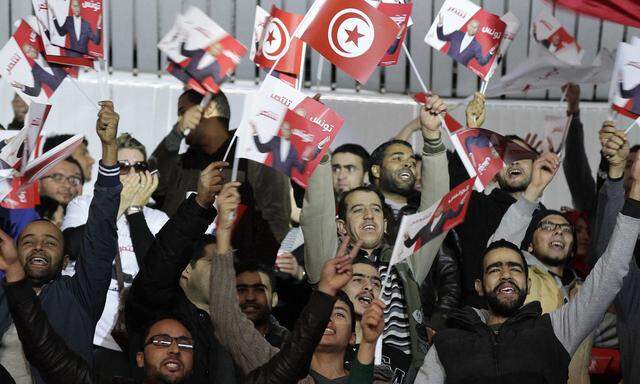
{"type": "Point", "coordinates": [355, 250]}
{"type": "Point", "coordinates": [215, 165]}
{"type": "Point", "coordinates": [106, 104]}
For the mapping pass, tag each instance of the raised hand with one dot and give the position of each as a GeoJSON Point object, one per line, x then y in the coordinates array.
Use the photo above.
{"type": "Point", "coordinates": [210, 183]}
{"type": "Point", "coordinates": [430, 115]}
{"type": "Point", "coordinates": [287, 263]}
{"type": "Point", "coordinates": [18, 85]}
{"type": "Point", "coordinates": [543, 170]}
{"type": "Point", "coordinates": [572, 97]}
{"type": "Point", "coordinates": [107, 123]}
{"type": "Point", "coordinates": [130, 187]}
{"type": "Point", "coordinates": [337, 272]}
{"type": "Point", "coordinates": [148, 185]}
{"type": "Point", "coordinates": [227, 203]}
{"type": "Point", "coordinates": [372, 322]}
{"type": "Point", "coordinates": [8, 252]}
{"type": "Point", "coordinates": [476, 111]}
{"type": "Point", "coordinates": [189, 119]}
{"type": "Point", "coordinates": [615, 148]}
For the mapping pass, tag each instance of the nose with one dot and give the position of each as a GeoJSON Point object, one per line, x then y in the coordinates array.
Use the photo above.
{"type": "Point", "coordinates": [173, 348]}
{"type": "Point", "coordinates": [341, 174]}
{"type": "Point", "coordinates": [367, 286]}
{"type": "Point", "coordinates": [250, 296]}
{"type": "Point", "coordinates": [368, 214]}
{"type": "Point", "coordinates": [505, 274]}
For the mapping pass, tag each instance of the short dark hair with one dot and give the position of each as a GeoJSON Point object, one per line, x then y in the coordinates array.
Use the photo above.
{"type": "Point", "coordinates": [360, 259]}
{"type": "Point", "coordinates": [355, 149]}
{"type": "Point", "coordinates": [502, 243]}
{"type": "Point", "coordinates": [197, 251]}
{"type": "Point", "coordinates": [342, 204]}
{"type": "Point", "coordinates": [220, 99]}
{"type": "Point", "coordinates": [377, 156]}
{"type": "Point", "coordinates": [253, 265]}
{"type": "Point", "coordinates": [126, 141]}
{"type": "Point", "coordinates": [634, 148]}
{"type": "Point", "coordinates": [165, 316]}
{"type": "Point", "coordinates": [536, 218]}
{"type": "Point", "coordinates": [55, 140]}
{"type": "Point", "coordinates": [74, 161]}
{"type": "Point", "coordinates": [342, 296]}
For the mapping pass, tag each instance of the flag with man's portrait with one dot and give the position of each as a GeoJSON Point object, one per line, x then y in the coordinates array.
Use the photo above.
{"type": "Point", "coordinates": [77, 25]}
{"type": "Point", "coordinates": [624, 92]}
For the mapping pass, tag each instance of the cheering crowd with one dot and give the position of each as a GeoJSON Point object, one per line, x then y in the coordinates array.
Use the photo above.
{"type": "Point", "coordinates": [170, 272]}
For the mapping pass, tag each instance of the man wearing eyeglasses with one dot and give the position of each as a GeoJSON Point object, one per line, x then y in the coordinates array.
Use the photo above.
{"type": "Point", "coordinates": [63, 183]}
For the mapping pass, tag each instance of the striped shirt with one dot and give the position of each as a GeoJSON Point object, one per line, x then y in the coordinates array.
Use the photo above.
{"type": "Point", "coordinates": [396, 320]}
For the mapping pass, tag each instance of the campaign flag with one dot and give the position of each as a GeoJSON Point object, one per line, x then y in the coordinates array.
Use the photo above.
{"type": "Point", "coordinates": [287, 130]}
{"type": "Point", "coordinates": [468, 34]}
{"type": "Point", "coordinates": [53, 53]}
{"type": "Point", "coordinates": [38, 167]}
{"type": "Point", "coordinates": [400, 14]}
{"type": "Point", "coordinates": [451, 123]}
{"type": "Point", "coordinates": [624, 93]}
{"type": "Point", "coordinates": [512, 27]}
{"type": "Point", "coordinates": [351, 34]}
{"type": "Point", "coordinates": [555, 132]}
{"type": "Point", "coordinates": [547, 71]}
{"type": "Point", "coordinates": [179, 73]}
{"type": "Point", "coordinates": [625, 12]}
{"type": "Point", "coordinates": [484, 153]}
{"type": "Point", "coordinates": [275, 42]}
{"type": "Point", "coordinates": [549, 32]}
{"type": "Point", "coordinates": [202, 48]}
{"type": "Point", "coordinates": [25, 68]}
{"type": "Point", "coordinates": [77, 26]}
{"type": "Point", "coordinates": [420, 228]}
{"type": "Point", "coordinates": [20, 195]}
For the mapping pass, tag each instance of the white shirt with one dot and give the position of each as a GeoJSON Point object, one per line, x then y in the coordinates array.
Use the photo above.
{"type": "Point", "coordinates": [77, 213]}
{"type": "Point", "coordinates": [466, 40]}
{"type": "Point", "coordinates": [77, 25]}
{"type": "Point", "coordinates": [284, 149]}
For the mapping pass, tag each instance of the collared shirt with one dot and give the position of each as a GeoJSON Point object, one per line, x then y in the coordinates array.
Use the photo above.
{"type": "Point", "coordinates": [77, 26]}
{"type": "Point", "coordinates": [285, 145]}
{"type": "Point", "coordinates": [466, 40]}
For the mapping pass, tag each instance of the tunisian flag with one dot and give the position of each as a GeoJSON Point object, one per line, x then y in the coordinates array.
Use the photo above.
{"type": "Point", "coordinates": [275, 43]}
{"type": "Point", "coordinates": [351, 34]}
{"type": "Point", "coordinates": [625, 12]}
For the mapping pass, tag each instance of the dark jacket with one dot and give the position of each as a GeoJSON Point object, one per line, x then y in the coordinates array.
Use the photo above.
{"type": "Point", "coordinates": [276, 334]}
{"type": "Point", "coordinates": [74, 304]}
{"type": "Point", "coordinates": [440, 291]}
{"type": "Point", "coordinates": [472, 51]}
{"type": "Point", "coordinates": [156, 291]}
{"type": "Point", "coordinates": [79, 44]}
{"type": "Point", "coordinates": [42, 77]}
{"type": "Point", "coordinates": [265, 193]}
{"type": "Point", "coordinates": [524, 350]}
{"type": "Point", "coordinates": [285, 165]}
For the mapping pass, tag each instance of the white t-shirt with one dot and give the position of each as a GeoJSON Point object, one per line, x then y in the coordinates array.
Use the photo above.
{"type": "Point", "coordinates": [77, 214]}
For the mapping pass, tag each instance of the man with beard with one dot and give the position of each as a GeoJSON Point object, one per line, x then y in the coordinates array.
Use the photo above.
{"type": "Point", "coordinates": [515, 343]}
{"type": "Point", "coordinates": [255, 285]}
{"type": "Point", "coordinates": [485, 211]}
{"type": "Point", "coordinates": [73, 304]}
{"type": "Point", "coordinates": [393, 171]}
{"type": "Point", "coordinates": [363, 216]}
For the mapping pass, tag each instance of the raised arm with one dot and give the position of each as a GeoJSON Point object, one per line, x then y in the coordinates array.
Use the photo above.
{"type": "Point", "coordinates": [62, 29]}
{"type": "Point", "coordinates": [100, 238]}
{"type": "Point", "coordinates": [318, 221]}
{"type": "Point", "coordinates": [434, 167]}
{"type": "Point", "coordinates": [514, 223]}
{"type": "Point", "coordinates": [576, 319]}
{"type": "Point", "coordinates": [158, 280]}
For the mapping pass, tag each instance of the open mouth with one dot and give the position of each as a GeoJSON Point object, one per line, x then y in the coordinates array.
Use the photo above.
{"type": "Point", "coordinates": [172, 365]}
{"type": "Point", "coordinates": [515, 172]}
{"type": "Point", "coordinates": [368, 226]}
{"type": "Point", "coordinates": [557, 244]}
{"type": "Point", "coordinates": [506, 289]}
{"type": "Point", "coordinates": [329, 331]}
{"type": "Point", "coordinates": [38, 261]}
{"type": "Point", "coordinates": [406, 176]}
{"type": "Point", "coordinates": [365, 299]}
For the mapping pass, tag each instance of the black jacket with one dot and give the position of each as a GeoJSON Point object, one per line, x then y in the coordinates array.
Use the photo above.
{"type": "Point", "coordinates": [155, 291]}
{"type": "Point", "coordinates": [440, 291]}
{"type": "Point", "coordinates": [48, 352]}
{"type": "Point", "coordinates": [523, 350]}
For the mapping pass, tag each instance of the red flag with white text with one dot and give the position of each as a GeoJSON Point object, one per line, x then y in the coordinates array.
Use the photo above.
{"type": "Point", "coordinates": [400, 14]}
{"type": "Point", "coordinates": [351, 34]}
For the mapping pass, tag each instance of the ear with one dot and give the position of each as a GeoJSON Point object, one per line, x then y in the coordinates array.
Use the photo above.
{"type": "Point", "coordinates": [140, 359]}
{"type": "Point", "coordinates": [274, 299]}
{"type": "Point", "coordinates": [530, 248]}
{"type": "Point", "coordinates": [352, 340]}
{"type": "Point", "coordinates": [375, 171]}
{"type": "Point", "coordinates": [342, 227]}
{"type": "Point", "coordinates": [65, 261]}
{"type": "Point", "coordinates": [384, 226]}
{"type": "Point", "coordinates": [478, 287]}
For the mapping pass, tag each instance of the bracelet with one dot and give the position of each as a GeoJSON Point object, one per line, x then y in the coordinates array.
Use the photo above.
{"type": "Point", "coordinates": [133, 209]}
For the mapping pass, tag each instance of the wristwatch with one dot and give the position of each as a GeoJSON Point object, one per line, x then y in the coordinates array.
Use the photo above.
{"type": "Point", "coordinates": [133, 209]}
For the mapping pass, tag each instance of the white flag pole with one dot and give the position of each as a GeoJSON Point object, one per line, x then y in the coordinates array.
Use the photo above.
{"type": "Point", "coordinates": [636, 121]}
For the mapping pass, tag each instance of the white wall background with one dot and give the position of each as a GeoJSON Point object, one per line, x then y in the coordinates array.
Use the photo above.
{"type": "Point", "coordinates": [147, 108]}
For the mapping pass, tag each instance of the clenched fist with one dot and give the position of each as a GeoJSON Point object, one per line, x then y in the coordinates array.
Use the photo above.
{"type": "Point", "coordinates": [107, 123]}
{"type": "Point", "coordinates": [210, 183]}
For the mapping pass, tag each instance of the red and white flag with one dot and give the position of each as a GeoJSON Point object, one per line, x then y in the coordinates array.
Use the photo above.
{"type": "Point", "coordinates": [550, 34]}
{"type": "Point", "coordinates": [624, 94]}
{"type": "Point", "coordinates": [23, 65]}
{"type": "Point", "coordinates": [451, 123]}
{"type": "Point", "coordinates": [27, 138]}
{"type": "Point", "coordinates": [42, 164]}
{"type": "Point", "coordinates": [422, 227]}
{"type": "Point", "coordinates": [351, 34]}
{"type": "Point", "coordinates": [18, 194]}
{"type": "Point", "coordinates": [77, 25]}
{"type": "Point", "coordinates": [53, 53]}
{"type": "Point", "coordinates": [273, 42]}
{"type": "Point", "coordinates": [287, 130]}
{"type": "Point", "coordinates": [625, 12]}
{"type": "Point", "coordinates": [484, 153]}
{"type": "Point", "coordinates": [512, 28]}
{"type": "Point", "coordinates": [468, 34]}
{"type": "Point", "coordinates": [400, 14]}
{"type": "Point", "coordinates": [202, 48]}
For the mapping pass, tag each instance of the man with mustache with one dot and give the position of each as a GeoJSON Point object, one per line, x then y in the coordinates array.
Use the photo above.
{"type": "Point", "coordinates": [73, 304]}
{"type": "Point", "coordinates": [257, 297]}
{"type": "Point", "coordinates": [363, 216]}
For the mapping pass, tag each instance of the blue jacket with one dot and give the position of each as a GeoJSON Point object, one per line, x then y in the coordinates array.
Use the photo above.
{"type": "Point", "coordinates": [74, 304]}
{"type": "Point", "coordinates": [41, 76]}
{"type": "Point", "coordinates": [286, 165]}
{"type": "Point", "coordinates": [472, 51]}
